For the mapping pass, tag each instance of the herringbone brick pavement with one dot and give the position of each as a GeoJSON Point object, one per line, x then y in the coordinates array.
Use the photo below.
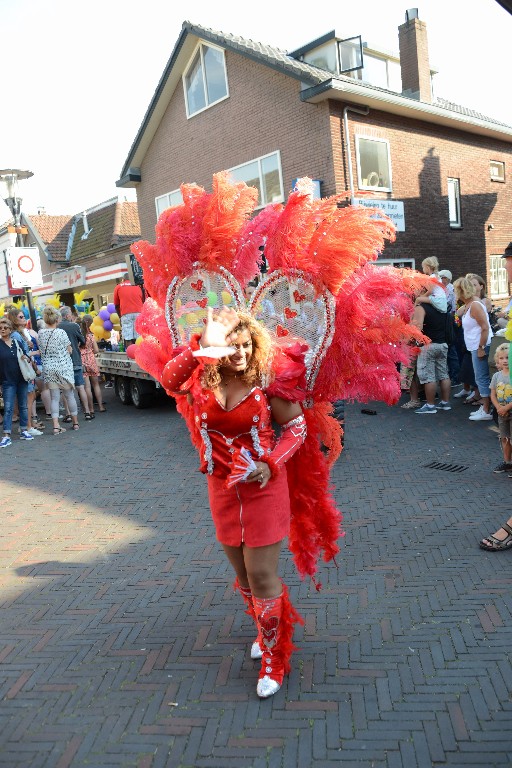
{"type": "Point", "coordinates": [122, 643]}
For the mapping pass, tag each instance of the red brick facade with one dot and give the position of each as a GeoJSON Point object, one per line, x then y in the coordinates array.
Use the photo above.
{"type": "Point", "coordinates": [263, 113]}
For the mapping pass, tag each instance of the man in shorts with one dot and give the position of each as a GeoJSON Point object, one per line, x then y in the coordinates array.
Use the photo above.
{"type": "Point", "coordinates": [76, 340]}
{"type": "Point", "coordinates": [128, 300]}
{"type": "Point", "coordinates": [432, 368]}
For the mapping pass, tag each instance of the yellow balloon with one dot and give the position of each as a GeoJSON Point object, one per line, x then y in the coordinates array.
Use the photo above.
{"type": "Point", "coordinates": [117, 326]}
{"type": "Point", "coordinates": [139, 340]}
{"type": "Point", "coordinates": [97, 321]}
{"type": "Point", "coordinates": [114, 318]}
{"type": "Point", "coordinates": [226, 297]}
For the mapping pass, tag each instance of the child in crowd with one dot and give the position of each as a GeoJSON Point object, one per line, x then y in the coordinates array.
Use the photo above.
{"type": "Point", "coordinates": [436, 294]}
{"type": "Point", "coordinates": [501, 398]}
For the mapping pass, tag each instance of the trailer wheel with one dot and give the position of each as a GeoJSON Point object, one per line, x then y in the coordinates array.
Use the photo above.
{"type": "Point", "coordinates": [123, 390]}
{"type": "Point", "coordinates": [141, 393]}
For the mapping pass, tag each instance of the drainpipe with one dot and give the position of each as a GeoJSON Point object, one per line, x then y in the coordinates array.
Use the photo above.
{"type": "Point", "coordinates": [360, 111]}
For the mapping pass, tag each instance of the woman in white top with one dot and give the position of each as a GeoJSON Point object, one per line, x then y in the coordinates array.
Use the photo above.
{"type": "Point", "coordinates": [58, 373]}
{"type": "Point", "coordinates": [477, 338]}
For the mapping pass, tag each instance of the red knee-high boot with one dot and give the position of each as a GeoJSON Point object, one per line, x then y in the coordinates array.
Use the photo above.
{"type": "Point", "coordinates": [276, 618]}
{"type": "Point", "coordinates": [256, 651]}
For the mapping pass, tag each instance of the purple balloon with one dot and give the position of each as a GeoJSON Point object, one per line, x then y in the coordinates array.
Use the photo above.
{"type": "Point", "coordinates": [111, 308]}
{"type": "Point", "coordinates": [104, 314]}
{"type": "Point", "coordinates": [107, 325]}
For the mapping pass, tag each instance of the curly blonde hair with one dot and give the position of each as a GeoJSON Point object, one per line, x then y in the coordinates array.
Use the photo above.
{"type": "Point", "coordinates": [260, 362]}
{"type": "Point", "coordinates": [499, 350]}
{"type": "Point", "coordinates": [464, 289]}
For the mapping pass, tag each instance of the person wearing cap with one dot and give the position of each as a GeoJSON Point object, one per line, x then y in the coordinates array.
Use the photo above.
{"type": "Point", "coordinates": [446, 278]}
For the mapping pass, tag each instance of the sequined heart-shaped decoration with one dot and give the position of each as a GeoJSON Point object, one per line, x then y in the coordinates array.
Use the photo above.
{"type": "Point", "coordinates": [185, 312]}
{"type": "Point", "coordinates": [282, 331]}
{"type": "Point", "coordinates": [298, 297]}
{"type": "Point", "coordinates": [289, 313]}
{"type": "Point", "coordinates": [269, 631]}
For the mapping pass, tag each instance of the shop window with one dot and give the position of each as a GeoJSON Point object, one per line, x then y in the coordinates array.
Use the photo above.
{"type": "Point", "coordinates": [499, 279]}
{"type": "Point", "coordinates": [454, 212]}
{"type": "Point", "coordinates": [265, 174]}
{"type": "Point", "coordinates": [168, 201]}
{"type": "Point", "coordinates": [205, 80]}
{"type": "Point", "coordinates": [373, 164]}
{"type": "Point", "coordinates": [497, 170]}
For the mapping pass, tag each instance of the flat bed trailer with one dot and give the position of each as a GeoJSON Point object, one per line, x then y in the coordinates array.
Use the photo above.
{"type": "Point", "coordinates": [132, 384]}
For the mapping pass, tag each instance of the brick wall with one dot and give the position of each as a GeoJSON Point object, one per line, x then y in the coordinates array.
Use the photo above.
{"type": "Point", "coordinates": [423, 157]}
{"type": "Point", "coordinates": [262, 114]}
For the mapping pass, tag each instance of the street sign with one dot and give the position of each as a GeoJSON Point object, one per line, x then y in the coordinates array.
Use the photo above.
{"type": "Point", "coordinates": [24, 265]}
{"type": "Point", "coordinates": [392, 208]}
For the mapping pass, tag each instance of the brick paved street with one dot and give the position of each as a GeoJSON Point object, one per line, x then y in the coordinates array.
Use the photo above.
{"type": "Point", "coordinates": [122, 643]}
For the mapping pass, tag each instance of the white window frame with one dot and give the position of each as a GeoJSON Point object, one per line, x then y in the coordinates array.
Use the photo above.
{"type": "Point", "coordinates": [499, 278]}
{"type": "Point", "coordinates": [359, 175]}
{"type": "Point", "coordinates": [277, 153]}
{"type": "Point", "coordinates": [455, 184]}
{"type": "Point", "coordinates": [498, 164]}
{"type": "Point", "coordinates": [200, 46]}
{"type": "Point", "coordinates": [168, 198]}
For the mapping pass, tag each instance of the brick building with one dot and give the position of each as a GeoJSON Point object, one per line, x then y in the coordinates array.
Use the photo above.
{"type": "Point", "coordinates": [354, 118]}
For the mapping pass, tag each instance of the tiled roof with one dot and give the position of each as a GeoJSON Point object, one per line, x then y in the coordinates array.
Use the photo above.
{"type": "Point", "coordinates": [111, 224]}
{"type": "Point", "coordinates": [54, 232]}
{"type": "Point", "coordinates": [266, 54]}
{"type": "Point", "coordinates": [445, 104]}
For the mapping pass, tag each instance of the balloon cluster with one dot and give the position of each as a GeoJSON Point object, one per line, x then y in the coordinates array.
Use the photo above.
{"type": "Point", "coordinates": [106, 320]}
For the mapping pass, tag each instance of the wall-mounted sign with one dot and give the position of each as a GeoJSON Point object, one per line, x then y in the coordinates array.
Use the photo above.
{"type": "Point", "coordinates": [392, 208]}
{"type": "Point", "coordinates": [316, 187]}
{"type": "Point", "coordinates": [24, 267]}
{"type": "Point", "coordinates": [65, 279]}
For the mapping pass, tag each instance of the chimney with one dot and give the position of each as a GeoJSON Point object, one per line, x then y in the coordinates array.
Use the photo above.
{"type": "Point", "coordinates": [414, 63]}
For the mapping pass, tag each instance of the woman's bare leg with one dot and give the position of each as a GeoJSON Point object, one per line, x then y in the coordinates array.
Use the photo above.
{"type": "Point", "coordinates": [256, 567]}
{"type": "Point", "coordinates": [97, 391]}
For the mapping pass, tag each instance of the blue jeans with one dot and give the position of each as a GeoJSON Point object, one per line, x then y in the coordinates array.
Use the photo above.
{"type": "Point", "coordinates": [481, 368]}
{"type": "Point", "coordinates": [10, 391]}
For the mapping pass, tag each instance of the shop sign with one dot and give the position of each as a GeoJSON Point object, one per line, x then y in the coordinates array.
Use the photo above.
{"type": "Point", "coordinates": [392, 208]}
{"type": "Point", "coordinates": [65, 279]}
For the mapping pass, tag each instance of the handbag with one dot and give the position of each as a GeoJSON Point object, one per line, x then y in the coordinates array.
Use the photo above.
{"type": "Point", "coordinates": [26, 368]}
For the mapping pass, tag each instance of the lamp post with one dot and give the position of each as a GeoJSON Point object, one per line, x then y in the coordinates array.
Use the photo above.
{"type": "Point", "coordinates": [9, 179]}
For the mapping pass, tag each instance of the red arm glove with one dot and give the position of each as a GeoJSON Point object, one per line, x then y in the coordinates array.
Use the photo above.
{"type": "Point", "coordinates": [178, 370]}
{"type": "Point", "coordinates": [293, 435]}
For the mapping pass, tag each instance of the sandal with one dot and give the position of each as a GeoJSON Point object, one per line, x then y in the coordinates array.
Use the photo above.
{"type": "Point", "coordinates": [411, 404]}
{"type": "Point", "coordinates": [58, 430]}
{"type": "Point", "coordinates": [102, 410]}
{"type": "Point", "coordinates": [492, 544]}
{"type": "Point", "coordinates": [88, 417]}
{"type": "Point", "coordinates": [67, 420]}
{"type": "Point", "coordinates": [76, 427]}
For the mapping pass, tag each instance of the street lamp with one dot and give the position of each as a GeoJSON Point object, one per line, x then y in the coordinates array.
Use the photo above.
{"type": "Point", "coordinates": [9, 179]}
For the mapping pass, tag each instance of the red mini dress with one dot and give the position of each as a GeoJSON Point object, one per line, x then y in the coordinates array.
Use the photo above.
{"type": "Point", "coordinates": [245, 513]}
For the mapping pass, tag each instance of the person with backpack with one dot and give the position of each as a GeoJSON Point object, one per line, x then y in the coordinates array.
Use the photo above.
{"type": "Point", "coordinates": [432, 367]}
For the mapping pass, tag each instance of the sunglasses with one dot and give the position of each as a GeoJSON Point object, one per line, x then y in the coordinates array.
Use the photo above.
{"type": "Point", "coordinates": [21, 317]}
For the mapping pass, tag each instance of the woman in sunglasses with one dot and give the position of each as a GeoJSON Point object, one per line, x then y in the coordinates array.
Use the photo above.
{"type": "Point", "coordinates": [13, 383]}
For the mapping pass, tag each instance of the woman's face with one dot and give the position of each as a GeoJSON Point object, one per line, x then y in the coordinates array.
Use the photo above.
{"type": "Point", "coordinates": [239, 360]}
{"type": "Point", "coordinates": [478, 287]}
{"type": "Point", "coordinates": [5, 330]}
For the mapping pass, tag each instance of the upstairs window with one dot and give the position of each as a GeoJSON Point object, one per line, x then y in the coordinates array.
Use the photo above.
{"type": "Point", "coordinates": [205, 81]}
{"type": "Point", "coordinates": [167, 201]}
{"type": "Point", "coordinates": [497, 171]}
{"type": "Point", "coordinates": [265, 174]}
{"type": "Point", "coordinates": [373, 164]}
{"type": "Point", "coordinates": [454, 213]}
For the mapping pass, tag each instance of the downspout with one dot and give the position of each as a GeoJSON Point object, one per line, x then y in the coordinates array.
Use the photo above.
{"type": "Point", "coordinates": [360, 111]}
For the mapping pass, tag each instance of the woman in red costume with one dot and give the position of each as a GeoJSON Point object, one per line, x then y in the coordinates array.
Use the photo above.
{"type": "Point", "coordinates": [251, 516]}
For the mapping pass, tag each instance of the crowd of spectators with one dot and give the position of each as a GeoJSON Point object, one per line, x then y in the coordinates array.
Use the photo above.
{"type": "Point", "coordinates": [60, 357]}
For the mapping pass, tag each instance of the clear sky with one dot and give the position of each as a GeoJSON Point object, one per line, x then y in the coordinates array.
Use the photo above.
{"type": "Point", "coordinates": [76, 79]}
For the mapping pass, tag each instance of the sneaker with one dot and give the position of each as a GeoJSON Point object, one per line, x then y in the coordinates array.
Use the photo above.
{"type": "Point", "coordinates": [26, 435]}
{"type": "Point", "coordinates": [443, 405]}
{"type": "Point", "coordinates": [503, 467]}
{"type": "Point", "coordinates": [462, 393]}
{"type": "Point", "coordinates": [426, 409]}
{"type": "Point", "coordinates": [470, 398]}
{"type": "Point", "coordinates": [35, 432]}
{"type": "Point", "coordinates": [5, 441]}
{"type": "Point", "coordinates": [411, 404]}
{"type": "Point", "coordinates": [480, 415]}
{"type": "Point", "coordinates": [109, 385]}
